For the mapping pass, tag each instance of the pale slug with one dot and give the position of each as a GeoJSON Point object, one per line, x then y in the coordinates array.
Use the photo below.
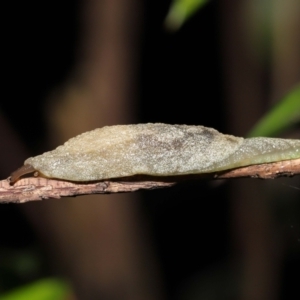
{"type": "Point", "coordinates": [154, 149]}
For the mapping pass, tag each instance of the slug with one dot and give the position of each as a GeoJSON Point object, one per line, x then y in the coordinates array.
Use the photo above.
{"type": "Point", "coordinates": [154, 149]}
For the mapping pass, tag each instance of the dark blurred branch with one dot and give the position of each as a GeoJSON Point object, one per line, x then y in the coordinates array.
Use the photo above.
{"type": "Point", "coordinates": [31, 189]}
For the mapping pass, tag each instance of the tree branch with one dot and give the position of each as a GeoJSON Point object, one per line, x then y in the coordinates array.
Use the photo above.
{"type": "Point", "coordinates": [32, 188]}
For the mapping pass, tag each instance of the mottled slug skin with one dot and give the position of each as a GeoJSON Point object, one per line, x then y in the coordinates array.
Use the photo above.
{"type": "Point", "coordinates": [125, 150]}
{"type": "Point", "coordinates": [158, 150]}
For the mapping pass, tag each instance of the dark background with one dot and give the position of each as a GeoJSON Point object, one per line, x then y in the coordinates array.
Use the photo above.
{"type": "Point", "coordinates": [179, 79]}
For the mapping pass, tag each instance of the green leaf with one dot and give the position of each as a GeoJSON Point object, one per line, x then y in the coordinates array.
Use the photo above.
{"type": "Point", "coordinates": [45, 289]}
{"type": "Point", "coordinates": [283, 115]}
{"type": "Point", "coordinates": [180, 11]}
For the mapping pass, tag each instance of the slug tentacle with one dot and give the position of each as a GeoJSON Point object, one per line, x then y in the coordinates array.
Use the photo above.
{"type": "Point", "coordinates": [154, 149]}
{"type": "Point", "coordinates": [26, 169]}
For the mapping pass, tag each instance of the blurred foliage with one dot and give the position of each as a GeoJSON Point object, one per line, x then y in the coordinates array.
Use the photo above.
{"type": "Point", "coordinates": [19, 266]}
{"type": "Point", "coordinates": [45, 289]}
{"type": "Point", "coordinates": [282, 116]}
{"type": "Point", "coordinates": [180, 11]}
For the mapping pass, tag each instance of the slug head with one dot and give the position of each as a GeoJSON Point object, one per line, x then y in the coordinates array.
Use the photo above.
{"type": "Point", "coordinates": [24, 170]}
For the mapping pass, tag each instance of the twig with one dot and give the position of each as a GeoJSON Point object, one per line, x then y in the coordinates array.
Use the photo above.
{"type": "Point", "coordinates": [31, 188]}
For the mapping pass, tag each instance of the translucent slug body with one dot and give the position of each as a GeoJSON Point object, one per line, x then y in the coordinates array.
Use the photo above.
{"type": "Point", "coordinates": [154, 149]}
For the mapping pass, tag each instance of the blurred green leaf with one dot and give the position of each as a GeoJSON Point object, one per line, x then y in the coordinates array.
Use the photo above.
{"type": "Point", "coordinates": [45, 289]}
{"type": "Point", "coordinates": [282, 116]}
{"type": "Point", "coordinates": [180, 11]}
